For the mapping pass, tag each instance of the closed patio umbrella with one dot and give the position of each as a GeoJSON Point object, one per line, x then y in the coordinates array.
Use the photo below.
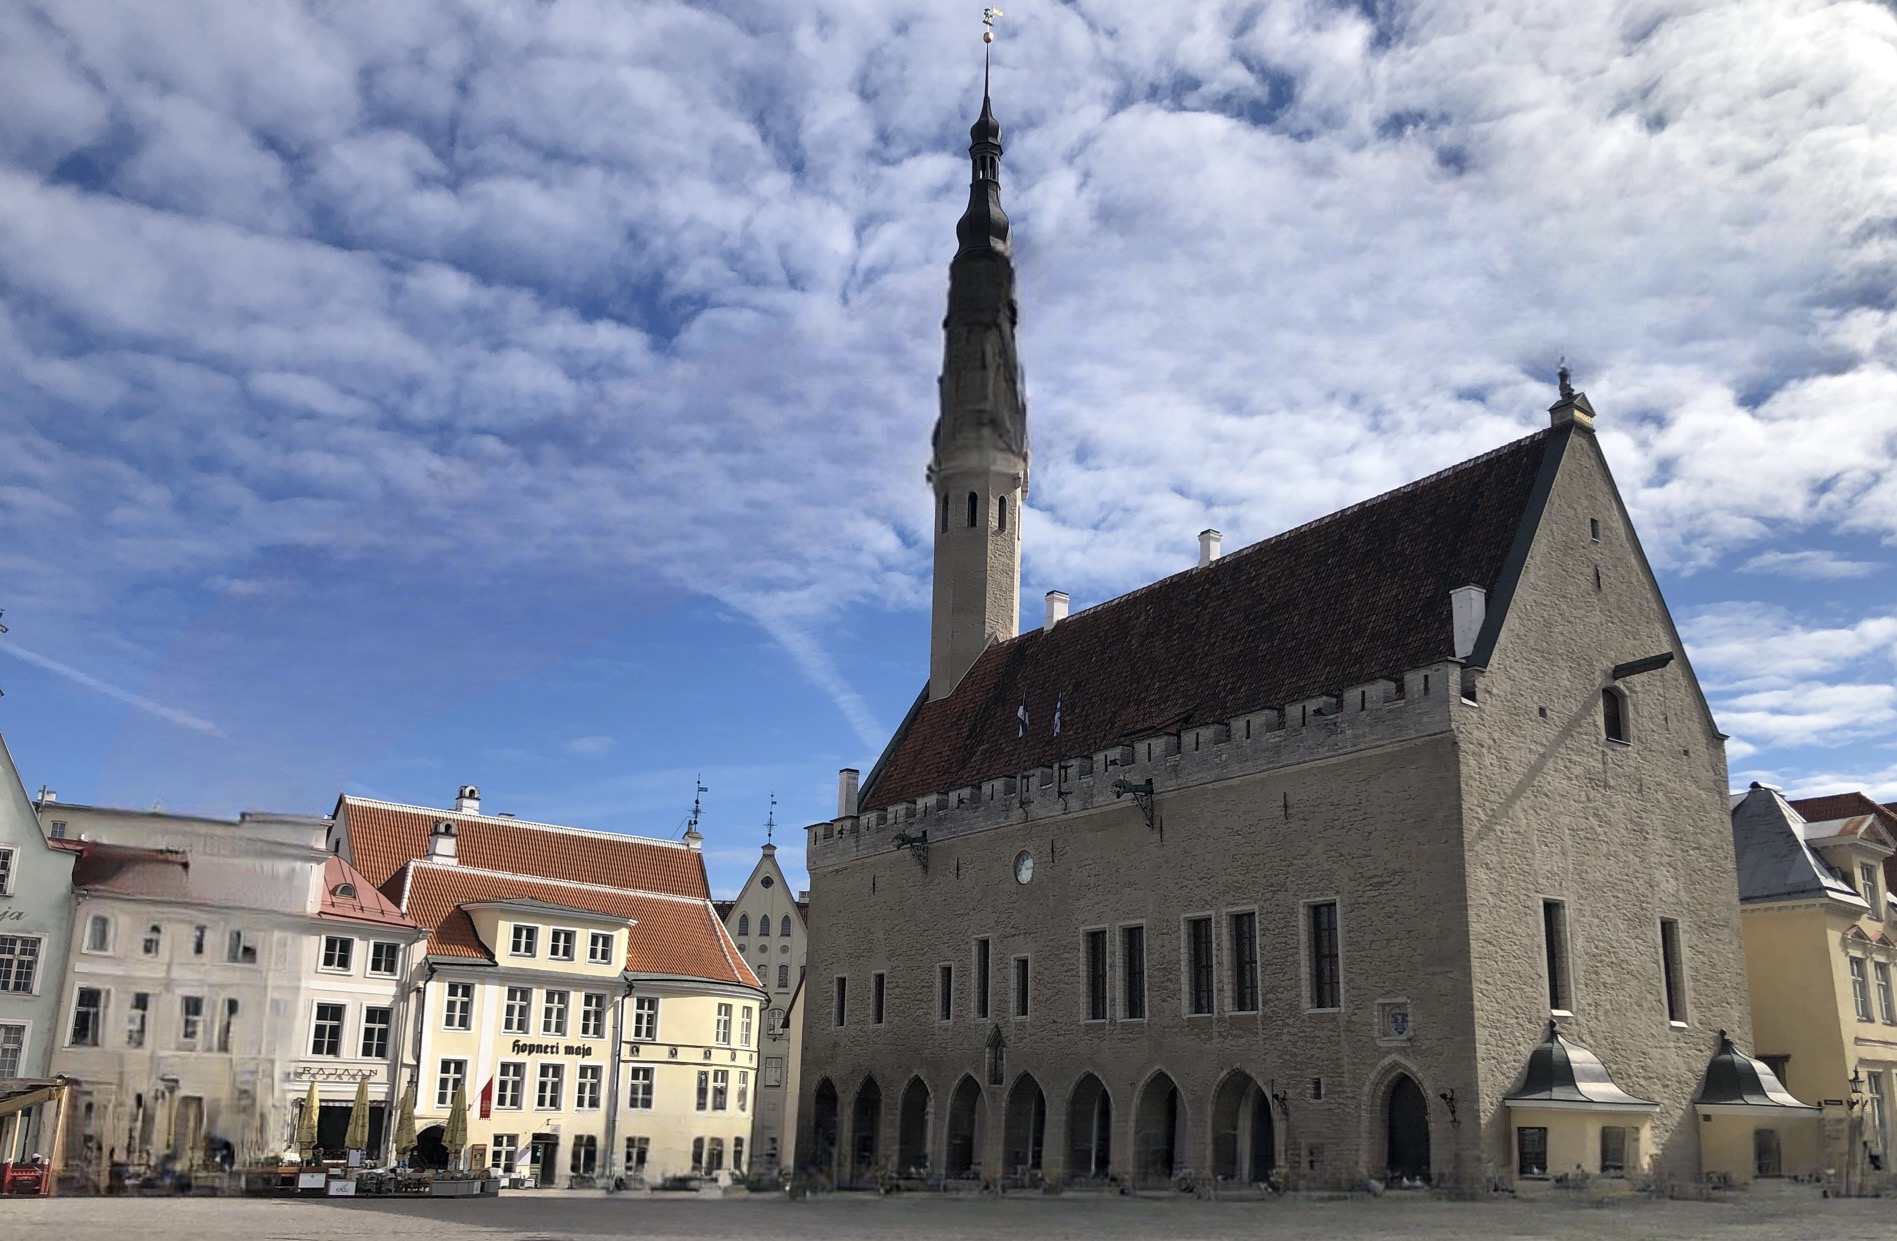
{"type": "Point", "coordinates": [306, 1125]}
{"type": "Point", "coordinates": [405, 1123]}
{"type": "Point", "coordinates": [455, 1138]}
{"type": "Point", "coordinates": [358, 1135]}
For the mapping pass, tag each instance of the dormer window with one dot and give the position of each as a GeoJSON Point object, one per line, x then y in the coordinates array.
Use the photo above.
{"type": "Point", "coordinates": [344, 891]}
{"type": "Point", "coordinates": [1867, 876]}
{"type": "Point", "coordinates": [560, 945]}
{"type": "Point", "coordinates": [525, 941]}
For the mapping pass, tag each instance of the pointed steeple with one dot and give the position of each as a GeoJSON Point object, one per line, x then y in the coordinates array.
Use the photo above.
{"type": "Point", "coordinates": [979, 470]}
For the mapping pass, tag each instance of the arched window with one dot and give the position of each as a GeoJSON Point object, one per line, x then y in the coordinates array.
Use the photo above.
{"type": "Point", "coordinates": [1001, 513]}
{"type": "Point", "coordinates": [783, 976]}
{"type": "Point", "coordinates": [744, 924]}
{"type": "Point", "coordinates": [764, 925]}
{"type": "Point", "coordinates": [783, 926]}
{"type": "Point", "coordinates": [1613, 715]}
{"type": "Point", "coordinates": [974, 508]}
{"type": "Point", "coordinates": [154, 939]}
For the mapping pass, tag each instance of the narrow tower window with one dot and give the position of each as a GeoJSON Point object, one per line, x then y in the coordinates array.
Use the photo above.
{"type": "Point", "coordinates": [974, 508]}
{"type": "Point", "coordinates": [1001, 513]}
{"type": "Point", "coordinates": [945, 508]}
{"type": "Point", "coordinates": [1554, 938]}
{"type": "Point", "coordinates": [1613, 719]}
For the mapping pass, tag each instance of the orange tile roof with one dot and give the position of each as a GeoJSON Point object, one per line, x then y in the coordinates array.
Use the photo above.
{"type": "Point", "coordinates": [384, 835]}
{"type": "Point", "coordinates": [671, 935]}
{"type": "Point", "coordinates": [348, 895]}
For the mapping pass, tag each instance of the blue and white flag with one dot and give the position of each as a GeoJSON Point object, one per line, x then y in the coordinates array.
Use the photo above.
{"type": "Point", "coordinates": [1021, 713]}
{"type": "Point", "coordinates": [1057, 715]}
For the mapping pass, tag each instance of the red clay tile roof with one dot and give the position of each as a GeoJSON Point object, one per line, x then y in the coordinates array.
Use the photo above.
{"type": "Point", "coordinates": [672, 935]}
{"type": "Point", "coordinates": [348, 895]}
{"type": "Point", "coordinates": [1843, 806]}
{"type": "Point", "coordinates": [384, 835]}
{"type": "Point", "coordinates": [1357, 595]}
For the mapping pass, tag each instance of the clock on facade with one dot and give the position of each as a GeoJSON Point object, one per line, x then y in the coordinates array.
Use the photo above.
{"type": "Point", "coordinates": [1023, 866]}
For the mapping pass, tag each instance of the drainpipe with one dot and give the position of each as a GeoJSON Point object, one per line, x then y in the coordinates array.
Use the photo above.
{"type": "Point", "coordinates": [612, 1088]}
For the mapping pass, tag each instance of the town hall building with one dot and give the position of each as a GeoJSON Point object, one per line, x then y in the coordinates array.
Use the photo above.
{"type": "Point", "coordinates": [1394, 845]}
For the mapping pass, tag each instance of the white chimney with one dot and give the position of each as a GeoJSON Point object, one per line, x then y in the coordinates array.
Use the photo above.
{"type": "Point", "coordinates": [1056, 609]}
{"type": "Point", "coordinates": [47, 794]}
{"type": "Point", "coordinates": [1208, 547]}
{"type": "Point", "coordinates": [441, 844]}
{"type": "Point", "coordinates": [846, 792]}
{"type": "Point", "coordinates": [1468, 607]}
{"type": "Point", "coordinates": [467, 800]}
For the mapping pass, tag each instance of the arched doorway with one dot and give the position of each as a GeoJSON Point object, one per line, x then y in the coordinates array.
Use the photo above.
{"type": "Point", "coordinates": [1026, 1126]}
{"type": "Point", "coordinates": [1244, 1143]}
{"type": "Point", "coordinates": [961, 1155]}
{"type": "Point", "coordinates": [1158, 1118]}
{"type": "Point", "coordinates": [866, 1120]}
{"type": "Point", "coordinates": [1089, 1129]}
{"type": "Point", "coordinates": [431, 1149]}
{"type": "Point", "coordinates": [912, 1129]}
{"type": "Point", "coordinates": [823, 1131]}
{"type": "Point", "coordinates": [1407, 1112]}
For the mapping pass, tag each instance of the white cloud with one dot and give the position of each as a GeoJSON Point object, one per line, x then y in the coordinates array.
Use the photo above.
{"type": "Point", "coordinates": [1810, 563]}
{"type": "Point", "coordinates": [589, 746]}
{"type": "Point", "coordinates": [1775, 680]}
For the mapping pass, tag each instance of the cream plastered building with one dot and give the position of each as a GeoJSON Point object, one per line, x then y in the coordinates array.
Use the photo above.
{"type": "Point", "coordinates": [1821, 950]}
{"type": "Point", "coordinates": [577, 985]}
{"type": "Point", "coordinates": [767, 922]}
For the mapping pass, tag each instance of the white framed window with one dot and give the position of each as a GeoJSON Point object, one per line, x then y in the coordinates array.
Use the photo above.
{"type": "Point", "coordinates": [586, 1086]}
{"type": "Point", "coordinates": [645, 1018]}
{"type": "Point", "coordinates": [503, 1153]}
{"type": "Point", "coordinates": [98, 933]}
{"type": "Point", "coordinates": [560, 944]}
{"type": "Point", "coordinates": [385, 959]}
{"type": "Point", "coordinates": [198, 935]}
{"type": "Point", "coordinates": [154, 940]}
{"type": "Point", "coordinates": [238, 950]}
{"type": "Point", "coordinates": [88, 1016]}
{"type": "Point", "coordinates": [457, 1006]}
{"type": "Point", "coordinates": [744, 1025]}
{"type": "Point", "coordinates": [744, 1089]}
{"type": "Point", "coordinates": [19, 963]}
{"type": "Point", "coordinates": [1885, 1007]}
{"type": "Point", "coordinates": [599, 948]}
{"type": "Point", "coordinates": [510, 1085]}
{"type": "Point", "coordinates": [721, 1034]}
{"type": "Point", "coordinates": [553, 1012]}
{"type": "Point", "coordinates": [12, 1047]}
{"type": "Point", "coordinates": [703, 1098]}
{"type": "Point", "coordinates": [525, 941]}
{"type": "Point", "coordinates": [137, 1021]}
{"type": "Point", "coordinates": [592, 1015]}
{"type": "Point", "coordinates": [6, 874]}
{"type": "Point", "coordinates": [720, 1089]}
{"type": "Point", "coordinates": [638, 1151]}
{"type": "Point", "coordinates": [639, 1088]}
{"type": "Point", "coordinates": [773, 1071]}
{"type": "Point", "coordinates": [376, 1024]}
{"type": "Point", "coordinates": [190, 1021]}
{"type": "Point", "coordinates": [1861, 989]}
{"type": "Point", "coordinates": [549, 1087]}
{"type": "Point", "coordinates": [326, 1031]}
{"type": "Point", "coordinates": [516, 1010]}
{"type": "Point", "coordinates": [339, 953]}
{"type": "Point", "coordinates": [453, 1075]}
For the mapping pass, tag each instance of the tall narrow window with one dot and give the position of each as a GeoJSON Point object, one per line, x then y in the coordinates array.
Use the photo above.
{"type": "Point", "coordinates": [1133, 973]}
{"type": "Point", "coordinates": [1554, 947]}
{"type": "Point", "coordinates": [227, 1025]}
{"type": "Point", "coordinates": [592, 1015]}
{"type": "Point", "coordinates": [945, 508]}
{"type": "Point", "coordinates": [981, 980]}
{"type": "Point", "coordinates": [720, 1089]}
{"type": "Point", "coordinates": [135, 1025]}
{"type": "Point", "coordinates": [375, 1033]}
{"type": "Point", "coordinates": [1673, 969]}
{"type": "Point", "coordinates": [1244, 929]}
{"type": "Point", "coordinates": [1199, 965]}
{"type": "Point", "coordinates": [87, 1012]}
{"type": "Point", "coordinates": [549, 1087]}
{"type": "Point", "coordinates": [877, 989]}
{"type": "Point", "coordinates": [945, 993]}
{"type": "Point", "coordinates": [586, 1086]}
{"type": "Point", "coordinates": [974, 509]}
{"type": "Point", "coordinates": [721, 1027]}
{"type": "Point", "coordinates": [1020, 986]}
{"type": "Point", "coordinates": [510, 1085]}
{"type": "Point", "coordinates": [1001, 513]}
{"type": "Point", "coordinates": [1860, 989]}
{"type": "Point", "coordinates": [840, 1002]}
{"type": "Point", "coordinates": [514, 1011]}
{"type": "Point", "coordinates": [783, 977]}
{"type": "Point", "coordinates": [1531, 1146]}
{"type": "Point", "coordinates": [783, 925]}
{"type": "Point", "coordinates": [1885, 1007]}
{"type": "Point", "coordinates": [744, 924]}
{"type": "Point", "coordinates": [1867, 880]}
{"type": "Point", "coordinates": [1326, 983]}
{"type": "Point", "coordinates": [553, 1008]}
{"type": "Point", "coordinates": [457, 1011]}
{"type": "Point", "coordinates": [645, 1018]}
{"type": "Point", "coordinates": [98, 933]}
{"type": "Point", "coordinates": [1096, 975]}
{"type": "Point", "coordinates": [1613, 721]}
{"type": "Point", "coordinates": [154, 940]}
{"type": "Point", "coordinates": [453, 1075]}
{"type": "Point", "coordinates": [191, 1021]}
{"type": "Point", "coordinates": [764, 924]}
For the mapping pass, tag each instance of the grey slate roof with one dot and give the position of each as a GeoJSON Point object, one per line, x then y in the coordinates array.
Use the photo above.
{"type": "Point", "coordinates": [1734, 1079]}
{"type": "Point", "coordinates": [1775, 863]}
{"type": "Point", "coordinates": [1559, 1071]}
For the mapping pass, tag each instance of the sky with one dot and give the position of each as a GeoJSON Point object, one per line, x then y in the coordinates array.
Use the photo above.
{"type": "Point", "coordinates": [397, 396]}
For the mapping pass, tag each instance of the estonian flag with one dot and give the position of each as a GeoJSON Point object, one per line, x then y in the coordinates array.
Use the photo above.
{"type": "Point", "coordinates": [1021, 713]}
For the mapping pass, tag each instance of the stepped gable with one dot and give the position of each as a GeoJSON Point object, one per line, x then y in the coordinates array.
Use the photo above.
{"type": "Point", "coordinates": [384, 835]}
{"type": "Point", "coordinates": [671, 935]}
{"type": "Point", "coordinates": [1345, 599]}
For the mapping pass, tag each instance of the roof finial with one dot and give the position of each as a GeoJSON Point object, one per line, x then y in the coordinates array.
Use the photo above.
{"type": "Point", "coordinates": [770, 820]}
{"type": "Point", "coordinates": [698, 789]}
{"type": "Point", "coordinates": [1562, 376]}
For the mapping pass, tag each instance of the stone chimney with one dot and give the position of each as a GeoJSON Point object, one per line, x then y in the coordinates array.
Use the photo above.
{"type": "Point", "coordinates": [1468, 608]}
{"type": "Point", "coordinates": [1056, 609]}
{"type": "Point", "coordinates": [846, 792]}
{"type": "Point", "coordinates": [1208, 546]}
{"type": "Point", "coordinates": [441, 844]}
{"type": "Point", "coordinates": [467, 800]}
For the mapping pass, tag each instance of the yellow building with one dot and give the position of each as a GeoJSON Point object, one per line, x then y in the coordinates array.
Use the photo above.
{"type": "Point", "coordinates": [1817, 919]}
{"type": "Point", "coordinates": [578, 986]}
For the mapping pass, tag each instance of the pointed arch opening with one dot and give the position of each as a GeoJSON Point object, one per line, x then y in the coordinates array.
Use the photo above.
{"type": "Point", "coordinates": [866, 1122]}
{"type": "Point", "coordinates": [823, 1131]}
{"type": "Point", "coordinates": [961, 1154]}
{"type": "Point", "coordinates": [1026, 1127]}
{"type": "Point", "coordinates": [1089, 1130]}
{"type": "Point", "coordinates": [1406, 1131]}
{"type": "Point", "coordinates": [915, 1118]}
{"type": "Point", "coordinates": [744, 924]}
{"type": "Point", "coordinates": [1159, 1119]}
{"type": "Point", "coordinates": [1244, 1135]}
{"type": "Point", "coordinates": [974, 510]}
{"type": "Point", "coordinates": [1001, 513]}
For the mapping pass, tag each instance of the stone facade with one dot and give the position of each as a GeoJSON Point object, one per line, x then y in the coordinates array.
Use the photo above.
{"type": "Point", "coordinates": [766, 921]}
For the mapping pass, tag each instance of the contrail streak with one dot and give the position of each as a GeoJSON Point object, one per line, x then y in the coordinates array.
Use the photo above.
{"type": "Point", "coordinates": [183, 719]}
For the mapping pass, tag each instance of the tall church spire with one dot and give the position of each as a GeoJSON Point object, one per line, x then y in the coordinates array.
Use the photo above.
{"type": "Point", "coordinates": [980, 468]}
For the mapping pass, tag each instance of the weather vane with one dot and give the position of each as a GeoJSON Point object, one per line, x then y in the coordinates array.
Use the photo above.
{"type": "Point", "coordinates": [698, 790]}
{"type": "Point", "coordinates": [988, 16]}
{"type": "Point", "coordinates": [770, 820]}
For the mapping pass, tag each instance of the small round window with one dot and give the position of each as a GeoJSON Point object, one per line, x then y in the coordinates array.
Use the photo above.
{"type": "Point", "coordinates": [766, 882]}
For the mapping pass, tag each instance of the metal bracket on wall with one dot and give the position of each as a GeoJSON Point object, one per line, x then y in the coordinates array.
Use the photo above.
{"type": "Point", "coordinates": [918, 846]}
{"type": "Point", "coordinates": [1143, 798]}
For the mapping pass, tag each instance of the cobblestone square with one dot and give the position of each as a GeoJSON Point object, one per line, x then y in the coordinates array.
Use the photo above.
{"type": "Point", "coordinates": [550, 1217]}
